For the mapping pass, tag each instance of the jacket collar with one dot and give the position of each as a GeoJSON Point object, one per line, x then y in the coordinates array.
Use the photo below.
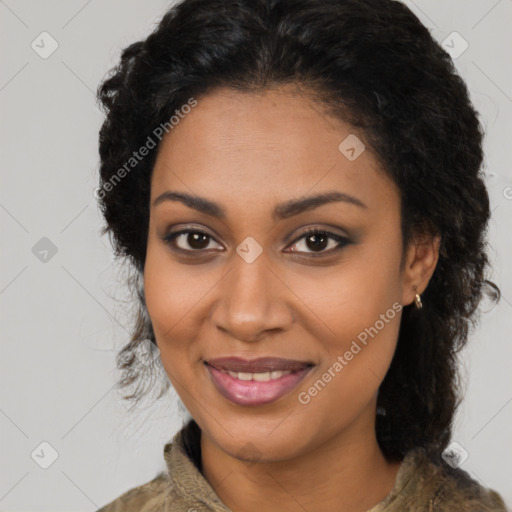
{"type": "Point", "coordinates": [183, 459]}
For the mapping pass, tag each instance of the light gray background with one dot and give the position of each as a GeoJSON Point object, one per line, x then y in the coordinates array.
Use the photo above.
{"type": "Point", "coordinates": [62, 321]}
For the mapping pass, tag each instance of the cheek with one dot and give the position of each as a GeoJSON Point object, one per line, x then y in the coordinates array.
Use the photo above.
{"type": "Point", "coordinates": [359, 340]}
{"type": "Point", "coordinates": [171, 294]}
{"type": "Point", "coordinates": [354, 312]}
{"type": "Point", "coordinates": [342, 301]}
{"type": "Point", "coordinates": [172, 289]}
{"type": "Point", "coordinates": [362, 330]}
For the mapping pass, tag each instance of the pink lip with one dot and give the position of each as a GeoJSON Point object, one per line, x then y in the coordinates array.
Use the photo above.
{"type": "Point", "coordinates": [250, 392]}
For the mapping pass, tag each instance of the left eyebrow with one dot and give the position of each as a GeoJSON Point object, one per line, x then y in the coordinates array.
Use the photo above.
{"type": "Point", "coordinates": [296, 206]}
{"type": "Point", "coordinates": [281, 211]}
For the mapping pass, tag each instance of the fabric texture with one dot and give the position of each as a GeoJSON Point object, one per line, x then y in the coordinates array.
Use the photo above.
{"type": "Point", "coordinates": [420, 486]}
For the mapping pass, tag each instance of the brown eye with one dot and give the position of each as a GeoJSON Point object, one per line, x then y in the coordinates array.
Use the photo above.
{"type": "Point", "coordinates": [189, 241]}
{"type": "Point", "coordinates": [316, 241]}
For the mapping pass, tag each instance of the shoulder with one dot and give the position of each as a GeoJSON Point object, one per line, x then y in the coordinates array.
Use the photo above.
{"type": "Point", "coordinates": [149, 497]}
{"type": "Point", "coordinates": [441, 487]}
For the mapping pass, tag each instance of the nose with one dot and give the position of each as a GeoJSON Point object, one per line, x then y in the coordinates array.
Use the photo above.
{"type": "Point", "coordinates": [252, 301]}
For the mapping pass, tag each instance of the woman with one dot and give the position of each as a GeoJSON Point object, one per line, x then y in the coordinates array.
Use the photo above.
{"type": "Point", "coordinates": [297, 188]}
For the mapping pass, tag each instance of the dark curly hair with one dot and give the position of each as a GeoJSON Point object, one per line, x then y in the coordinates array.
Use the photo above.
{"type": "Point", "coordinates": [373, 64]}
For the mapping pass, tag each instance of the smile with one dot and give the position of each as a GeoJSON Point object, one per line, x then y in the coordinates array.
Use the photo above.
{"type": "Point", "coordinates": [256, 382]}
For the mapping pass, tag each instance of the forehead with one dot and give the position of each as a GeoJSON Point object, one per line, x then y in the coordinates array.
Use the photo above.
{"type": "Point", "coordinates": [274, 143]}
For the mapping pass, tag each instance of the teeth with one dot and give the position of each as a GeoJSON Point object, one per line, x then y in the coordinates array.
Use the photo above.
{"type": "Point", "coordinates": [260, 377]}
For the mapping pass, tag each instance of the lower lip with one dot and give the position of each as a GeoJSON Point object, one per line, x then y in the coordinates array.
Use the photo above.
{"type": "Point", "coordinates": [251, 392]}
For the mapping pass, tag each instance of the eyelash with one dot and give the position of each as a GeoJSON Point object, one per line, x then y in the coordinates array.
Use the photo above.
{"type": "Point", "coordinates": [341, 240]}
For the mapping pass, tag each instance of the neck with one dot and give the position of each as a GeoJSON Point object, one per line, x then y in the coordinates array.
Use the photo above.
{"type": "Point", "coordinates": [346, 473]}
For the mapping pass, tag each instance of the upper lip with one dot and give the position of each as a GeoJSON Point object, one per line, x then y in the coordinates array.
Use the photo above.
{"type": "Point", "coordinates": [259, 365]}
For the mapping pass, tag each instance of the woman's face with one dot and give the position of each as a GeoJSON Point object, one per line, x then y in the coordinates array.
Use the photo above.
{"type": "Point", "coordinates": [243, 282]}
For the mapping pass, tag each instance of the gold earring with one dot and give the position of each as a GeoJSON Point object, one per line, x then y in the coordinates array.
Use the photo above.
{"type": "Point", "coordinates": [417, 302]}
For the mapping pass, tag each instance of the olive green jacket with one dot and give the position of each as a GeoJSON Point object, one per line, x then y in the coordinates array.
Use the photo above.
{"type": "Point", "coordinates": [420, 486]}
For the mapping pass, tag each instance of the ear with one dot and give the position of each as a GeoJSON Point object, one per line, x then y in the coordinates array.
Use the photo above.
{"type": "Point", "coordinates": [420, 263]}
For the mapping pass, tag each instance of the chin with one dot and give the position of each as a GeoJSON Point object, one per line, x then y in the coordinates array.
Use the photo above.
{"type": "Point", "coordinates": [256, 440]}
